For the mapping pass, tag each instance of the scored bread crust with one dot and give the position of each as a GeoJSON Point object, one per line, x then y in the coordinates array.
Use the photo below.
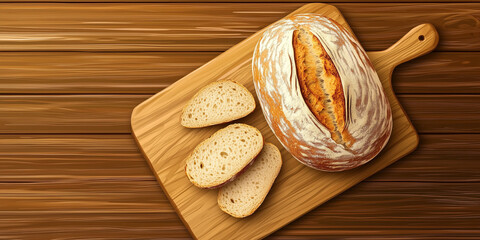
{"type": "Point", "coordinates": [218, 122]}
{"type": "Point", "coordinates": [270, 184]}
{"type": "Point", "coordinates": [232, 176]}
{"type": "Point", "coordinates": [368, 118]}
{"type": "Point", "coordinates": [320, 84]}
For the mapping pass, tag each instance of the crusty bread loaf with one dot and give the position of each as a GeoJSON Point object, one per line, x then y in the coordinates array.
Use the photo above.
{"type": "Point", "coordinates": [243, 196]}
{"type": "Point", "coordinates": [218, 102]}
{"type": "Point", "coordinates": [219, 158]}
{"type": "Point", "coordinates": [320, 93]}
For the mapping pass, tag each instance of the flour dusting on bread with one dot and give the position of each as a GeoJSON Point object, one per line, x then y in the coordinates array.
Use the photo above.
{"type": "Point", "coordinates": [336, 139]}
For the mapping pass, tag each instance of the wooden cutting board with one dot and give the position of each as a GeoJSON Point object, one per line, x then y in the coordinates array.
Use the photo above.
{"type": "Point", "coordinates": [298, 189]}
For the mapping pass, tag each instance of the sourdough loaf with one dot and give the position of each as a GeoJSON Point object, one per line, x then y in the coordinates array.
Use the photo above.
{"type": "Point", "coordinates": [320, 93]}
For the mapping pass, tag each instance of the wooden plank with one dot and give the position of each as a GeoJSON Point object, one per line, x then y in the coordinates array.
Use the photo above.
{"type": "Point", "coordinates": [150, 72]}
{"type": "Point", "coordinates": [67, 113]}
{"type": "Point", "coordinates": [69, 159]}
{"type": "Point", "coordinates": [111, 113]}
{"type": "Point", "coordinates": [439, 72]}
{"type": "Point", "coordinates": [438, 158]}
{"type": "Point", "coordinates": [84, 196]}
{"type": "Point", "coordinates": [125, 211]}
{"type": "Point", "coordinates": [380, 25]}
{"type": "Point", "coordinates": [443, 113]}
{"type": "Point", "coordinates": [95, 72]}
{"type": "Point", "coordinates": [133, 27]}
{"type": "Point", "coordinates": [394, 209]}
{"type": "Point", "coordinates": [53, 225]}
{"type": "Point", "coordinates": [214, 27]}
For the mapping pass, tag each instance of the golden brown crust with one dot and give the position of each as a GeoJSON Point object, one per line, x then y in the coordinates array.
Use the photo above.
{"type": "Point", "coordinates": [320, 84]}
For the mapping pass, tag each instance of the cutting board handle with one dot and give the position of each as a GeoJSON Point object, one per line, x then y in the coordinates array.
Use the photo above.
{"type": "Point", "coordinates": [419, 41]}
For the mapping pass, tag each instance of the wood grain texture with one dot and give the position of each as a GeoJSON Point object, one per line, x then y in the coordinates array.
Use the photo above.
{"type": "Point", "coordinates": [464, 110]}
{"type": "Point", "coordinates": [95, 72]}
{"type": "Point", "coordinates": [57, 186]}
{"type": "Point", "coordinates": [67, 113]}
{"type": "Point", "coordinates": [439, 72]}
{"type": "Point", "coordinates": [52, 159]}
{"type": "Point", "coordinates": [297, 189]}
{"type": "Point", "coordinates": [98, 211]}
{"type": "Point", "coordinates": [454, 156]}
{"type": "Point", "coordinates": [416, 219]}
{"type": "Point", "coordinates": [446, 18]}
{"type": "Point", "coordinates": [431, 113]}
{"type": "Point", "coordinates": [58, 157]}
{"type": "Point", "coordinates": [150, 72]}
{"type": "Point", "coordinates": [102, 225]}
{"type": "Point", "coordinates": [214, 27]}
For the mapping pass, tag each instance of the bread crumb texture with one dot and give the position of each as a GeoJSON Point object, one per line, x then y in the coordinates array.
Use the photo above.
{"type": "Point", "coordinates": [218, 102]}
{"type": "Point", "coordinates": [243, 196]}
{"type": "Point", "coordinates": [220, 157]}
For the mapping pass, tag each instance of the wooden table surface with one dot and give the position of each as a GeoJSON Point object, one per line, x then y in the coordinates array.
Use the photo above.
{"type": "Point", "coordinates": [71, 73]}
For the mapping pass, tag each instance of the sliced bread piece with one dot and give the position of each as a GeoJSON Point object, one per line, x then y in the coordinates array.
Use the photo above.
{"type": "Point", "coordinates": [243, 196]}
{"type": "Point", "coordinates": [222, 156]}
{"type": "Point", "coordinates": [218, 102]}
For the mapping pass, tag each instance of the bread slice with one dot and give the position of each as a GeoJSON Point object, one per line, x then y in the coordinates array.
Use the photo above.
{"type": "Point", "coordinates": [218, 102]}
{"type": "Point", "coordinates": [222, 156]}
{"type": "Point", "coordinates": [243, 196]}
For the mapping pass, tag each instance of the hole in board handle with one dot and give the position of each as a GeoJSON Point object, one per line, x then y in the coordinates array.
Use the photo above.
{"type": "Point", "coordinates": [421, 37]}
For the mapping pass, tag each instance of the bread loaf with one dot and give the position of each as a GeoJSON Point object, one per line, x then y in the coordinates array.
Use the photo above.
{"type": "Point", "coordinates": [320, 93]}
